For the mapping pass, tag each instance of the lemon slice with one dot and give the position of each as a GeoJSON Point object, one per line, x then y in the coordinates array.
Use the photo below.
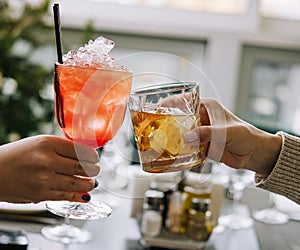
{"type": "Point", "coordinates": [172, 135]}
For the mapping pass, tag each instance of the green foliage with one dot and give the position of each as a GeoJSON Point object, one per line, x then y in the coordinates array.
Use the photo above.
{"type": "Point", "coordinates": [23, 109]}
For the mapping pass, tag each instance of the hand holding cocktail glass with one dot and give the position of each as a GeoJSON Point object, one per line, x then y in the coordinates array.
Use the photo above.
{"type": "Point", "coordinates": [91, 95]}
{"type": "Point", "coordinates": [90, 104]}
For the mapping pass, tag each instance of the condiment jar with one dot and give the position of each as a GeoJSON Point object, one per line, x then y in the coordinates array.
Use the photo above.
{"type": "Point", "coordinates": [201, 191]}
{"type": "Point", "coordinates": [173, 222]}
{"type": "Point", "coordinates": [199, 225]}
{"type": "Point", "coordinates": [152, 213]}
{"type": "Point", "coordinates": [168, 188]}
{"type": "Point", "coordinates": [154, 200]}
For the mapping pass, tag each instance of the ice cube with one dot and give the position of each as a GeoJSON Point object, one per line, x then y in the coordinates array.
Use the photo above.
{"type": "Point", "coordinates": [157, 141]}
{"type": "Point", "coordinates": [172, 134]}
{"type": "Point", "coordinates": [188, 123]}
{"type": "Point", "coordinates": [177, 111]}
{"type": "Point", "coordinates": [94, 54]}
{"type": "Point", "coordinates": [169, 111]}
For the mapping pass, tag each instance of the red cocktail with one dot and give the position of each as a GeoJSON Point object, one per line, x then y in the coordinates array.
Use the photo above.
{"type": "Point", "coordinates": [90, 103]}
{"type": "Point", "coordinates": [91, 96]}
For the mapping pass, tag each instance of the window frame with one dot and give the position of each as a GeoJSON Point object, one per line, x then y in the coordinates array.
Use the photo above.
{"type": "Point", "coordinates": [250, 54]}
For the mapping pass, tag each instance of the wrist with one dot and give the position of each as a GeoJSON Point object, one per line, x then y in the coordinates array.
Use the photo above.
{"type": "Point", "coordinates": [268, 152]}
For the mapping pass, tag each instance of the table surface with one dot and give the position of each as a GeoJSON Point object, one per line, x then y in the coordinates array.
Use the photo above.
{"type": "Point", "coordinates": [121, 232]}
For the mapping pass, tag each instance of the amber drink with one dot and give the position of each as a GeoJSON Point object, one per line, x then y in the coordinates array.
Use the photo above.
{"type": "Point", "coordinates": [161, 115]}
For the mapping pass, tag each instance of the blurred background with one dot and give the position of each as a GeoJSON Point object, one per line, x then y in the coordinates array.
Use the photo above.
{"type": "Point", "coordinates": [245, 53]}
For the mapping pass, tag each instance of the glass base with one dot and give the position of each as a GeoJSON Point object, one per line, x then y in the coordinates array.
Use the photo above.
{"type": "Point", "coordinates": [66, 234]}
{"type": "Point", "coordinates": [235, 221]}
{"type": "Point", "coordinates": [271, 216]}
{"type": "Point", "coordinates": [79, 211]}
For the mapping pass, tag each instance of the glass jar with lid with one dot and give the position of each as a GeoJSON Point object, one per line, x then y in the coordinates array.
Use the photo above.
{"type": "Point", "coordinates": [199, 190]}
{"type": "Point", "coordinates": [152, 213]}
{"type": "Point", "coordinates": [199, 226]}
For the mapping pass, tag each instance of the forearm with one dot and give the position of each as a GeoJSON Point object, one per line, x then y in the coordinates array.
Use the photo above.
{"type": "Point", "coordinates": [284, 179]}
{"type": "Point", "coordinates": [267, 151]}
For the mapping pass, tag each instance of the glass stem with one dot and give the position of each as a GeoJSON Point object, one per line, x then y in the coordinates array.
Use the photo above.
{"type": "Point", "coordinates": [237, 196]}
{"type": "Point", "coordinates": [67, 221]}
{"type": "Point", "coordinates": [235, 202]}
{"type": "Point", "coordinates": [271, 202]}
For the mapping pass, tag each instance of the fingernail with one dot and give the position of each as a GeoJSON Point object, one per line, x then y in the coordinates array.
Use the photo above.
{"type": "Point", "coordinates": [96, 184]}
{"type": "Point", "coordinates": [191, 136]}
{"type": "Point", "coordinates": [86, 197]}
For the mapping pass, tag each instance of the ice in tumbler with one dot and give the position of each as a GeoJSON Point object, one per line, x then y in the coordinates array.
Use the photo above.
{"type": "Point", "coordinates": [159, 133]}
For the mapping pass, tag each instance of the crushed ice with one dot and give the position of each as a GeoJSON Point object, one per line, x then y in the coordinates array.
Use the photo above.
{"type": "Point", "coordinates": [94, 54]}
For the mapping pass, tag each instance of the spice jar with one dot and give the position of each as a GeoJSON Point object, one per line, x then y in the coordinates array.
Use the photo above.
{"type": "Point", "coordinates": [174, 215]}
{"type": "Point", "coordinates": [154, 200]}
{"type": "Point", "coordinates": [199, 220]}
{"type": "Point", "coordinates": [201, 191]}
{"type": "Point", "coordinates": [152, 213]}
{"type": "Point", "coordinates": [168, 188]}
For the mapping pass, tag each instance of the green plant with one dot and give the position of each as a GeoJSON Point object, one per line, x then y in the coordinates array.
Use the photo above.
{"type": "Point", "coordinates": [26, 107]}
{"type": "Point", "coordinates": [23, 108]}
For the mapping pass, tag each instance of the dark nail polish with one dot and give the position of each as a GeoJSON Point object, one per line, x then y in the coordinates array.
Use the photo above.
{"type": "Point", "coordinates": [96, 184]}
{"type": "Point", "coordinates": [86, 197]}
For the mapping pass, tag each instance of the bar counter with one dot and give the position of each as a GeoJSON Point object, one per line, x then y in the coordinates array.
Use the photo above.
{"type": "Point", "coordinates": [121, 232]}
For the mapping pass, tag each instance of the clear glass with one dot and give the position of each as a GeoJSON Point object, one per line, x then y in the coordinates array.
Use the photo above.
{"type": "Point", "coordinates": [66, 233]}
{"type": "Point", "coordinates": [160, 115]}
{"type": "Point", "coordinates": [271, 215]}
{"type": "Point", "coordinates": [237, 220]}
{"type": "Point", "coordinates": [90, 106]}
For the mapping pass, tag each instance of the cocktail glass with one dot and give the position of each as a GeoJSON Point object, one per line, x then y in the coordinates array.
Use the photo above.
{"type": "Point", "coordinates": [271, 215]}
{"type": "Point", "coordinates": [161, 114]}
{"type": "Point", "coordinates": [90, 105]}
{"type": "Point", "coordinates": [238, 218]}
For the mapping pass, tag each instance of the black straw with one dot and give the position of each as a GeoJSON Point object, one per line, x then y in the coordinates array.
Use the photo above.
{"type": "Point", "coordinates": [57, 32]}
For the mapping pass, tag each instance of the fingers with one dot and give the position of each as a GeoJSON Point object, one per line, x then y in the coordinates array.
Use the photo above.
{"type": "Point", "coordinates": [74, 150]}
{"type": "Point", "coordinates": [56, 195]}
{"type": "Point", "coordinates": [215, 112]}
{"type": "Point", "coordinates": [63, 187]}
{"type": "Point", "coordinates": [205, 134]}
{"type": "Point", "coordinates": [213, 138]}
{"type": "Point", "coordinates": [71, 188]}
{"type": "Point", "coordinates": [204, 115]}
{"type": "Point", "coordinates": [211, 113]}
{"type": "Point", "coordinates": [74, 159]}
{"type": "Point", "coordinates": [70, 166]}
{"type": "Point", "coordinates": [73, 183]}
{"type": "Point", "coordinates": [198, 136]}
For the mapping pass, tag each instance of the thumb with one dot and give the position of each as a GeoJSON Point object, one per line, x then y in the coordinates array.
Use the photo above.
{"type": "Point", "coordinates": [213, 137]}
{"type": "Point", "coordinates": [198, 136]}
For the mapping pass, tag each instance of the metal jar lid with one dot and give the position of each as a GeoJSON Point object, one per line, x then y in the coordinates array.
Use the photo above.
{"type": "Point", "coordinates": [200, 205]}
{"type": "Point", "coordinates": [154, 198]}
